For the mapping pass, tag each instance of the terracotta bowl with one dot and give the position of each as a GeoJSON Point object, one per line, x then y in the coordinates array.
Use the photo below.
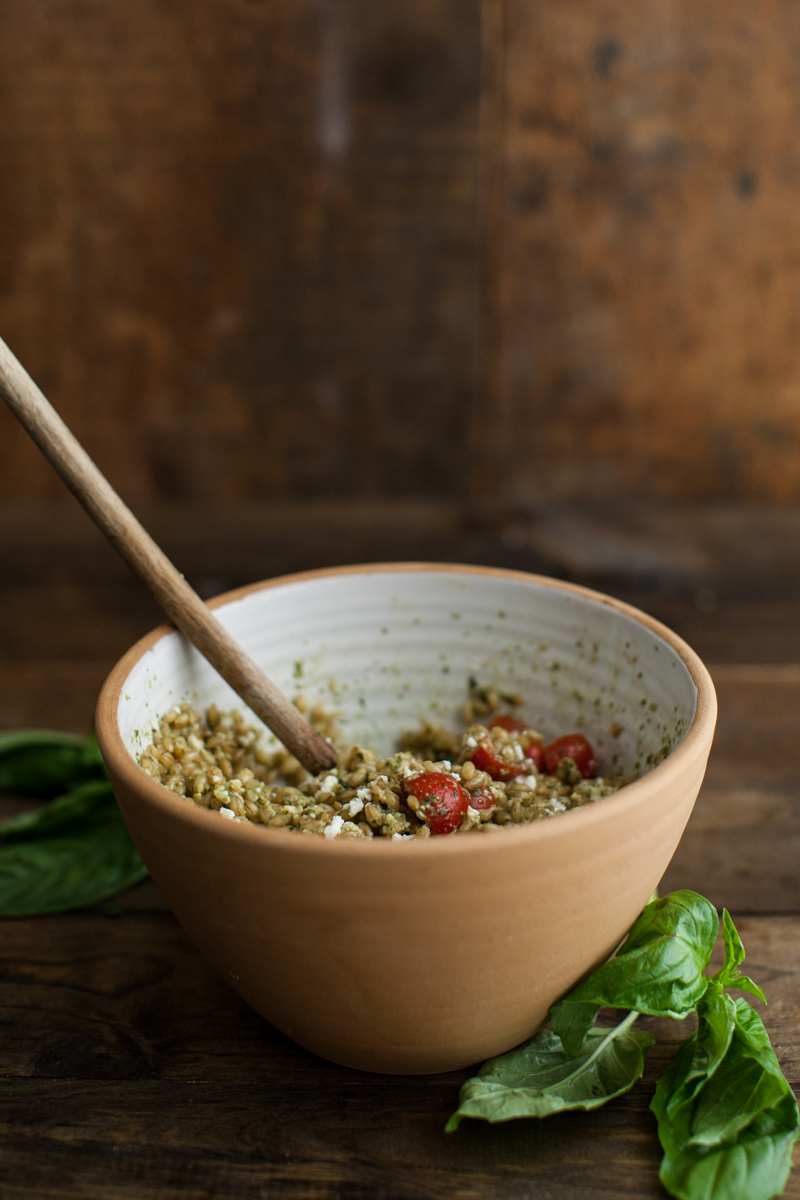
{"type": "Point", "coordinates": [421, 956]}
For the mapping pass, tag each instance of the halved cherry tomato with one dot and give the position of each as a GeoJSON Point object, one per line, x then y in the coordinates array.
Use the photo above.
{"type": "Point", "coordinates": [444, 800]}
{"type": "Point", "coordinates": [485, 759]}
{"type": "Point", "coordinates": [534, 750]}
{"type": "Point", "coordinates": [481, 800]}
{"type": "Point", "coordinates": [511, 724]}
{"type": "Point", "coordinates": [574, 746]}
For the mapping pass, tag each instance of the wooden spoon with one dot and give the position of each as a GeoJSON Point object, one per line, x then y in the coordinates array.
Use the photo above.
{"type": "Point", "coordinates": [179, 601]}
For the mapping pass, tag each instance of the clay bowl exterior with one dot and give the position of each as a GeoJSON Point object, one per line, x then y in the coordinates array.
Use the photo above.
{"type": "Point", "coordinates": [421, 956]}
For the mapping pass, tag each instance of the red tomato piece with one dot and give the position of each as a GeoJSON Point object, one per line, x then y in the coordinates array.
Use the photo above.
{"type": "Point", "coordinates": [574, 746]}
{"type": "Point", "coordinates": [485, 759]}
{"type": "Point", "coordinates": [511, 724]}
{"type": "Point", "coordinates": [535, 752]}
{"type": "Point", "coordinates": [480, 800]}
{"type": "Point", "coordinates": [444, 800]}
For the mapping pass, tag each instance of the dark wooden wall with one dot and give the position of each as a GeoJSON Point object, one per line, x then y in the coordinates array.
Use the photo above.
{"type": "Point", "coordinates": [646, 249]}
{"type": "Point", "coordinates": [492, 253]}
{"type": "Point", "coordinates": [238, 241]}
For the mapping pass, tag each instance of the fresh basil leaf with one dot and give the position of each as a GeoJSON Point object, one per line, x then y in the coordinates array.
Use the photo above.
{"type": "Point", "coordinates": [74, 853]}
{"type": "Point", "coordinates": [539, 1078]}
{"type": "Point", "coordinates": [748, 1081]}
{"type": "Point", "coordinates": [754, 1168]}
{"type": "Point", "coordinates": [43, 763]}
{"type": "Point", "coordinates": [731, 1136]}
{"type": "Point", "coordinates": [670, 1089]}
{"type": "Point", "coordinates": [64, 811]}
{"type": "Point", "coordinates": [734, 950]}
{"type": "Point", "coordinates": [658, 970]}
{"type": "Point", "coordinates": [696, 1061]}
{"type": "Point", "coordinates": [729, 974]}
{"type": "Point", "coordinates": [572, 1022]}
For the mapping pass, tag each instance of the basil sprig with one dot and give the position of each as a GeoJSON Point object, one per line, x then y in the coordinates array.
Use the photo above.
{"type": "Point", "coordinates": [658, 970]}
{"type": "Point", "coordinates": [727, 1118]}
{"type": "Point", "coordinates": [43, 763]}
{"type": "Point", "coordinates": [73, 852]}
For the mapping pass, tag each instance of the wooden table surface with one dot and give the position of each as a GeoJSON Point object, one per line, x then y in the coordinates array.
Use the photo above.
{"type": "Point", "coordinates": [130, 1070]}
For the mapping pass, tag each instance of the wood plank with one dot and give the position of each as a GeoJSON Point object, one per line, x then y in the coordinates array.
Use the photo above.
{"type": "Point", "coordinates": [724, 576]}
{"type": "Point", "coordinates": [76, 605]}
{"type": "Point", "coordinates": [262, 272]}
{"type": "Point", "coordinates": [757, 732]}
{"type": "Point", "coordinates": [89, 997]}
{"type": "Point", "coordinates": [124, 1060]}
{"type": "Point", "coordinates": [51, 694]}
{"type": "Point", "coordinates": [732, 631]}
{"type": "Point", "coordinates": [46, 543]}
{"type": "Point", "coordinates": [288, 1139]}
{"type": "Point", "coordinates": [741, 849]}
{"type": "Point", "coordinates": [245, 250]}
{"type": "Point", "coordinates": [664, 550]}
{"type": "Point", "coordinates": [742, 844]}
{"type": "Point", "coordinates": [740, 550]}
{"type": "Point", "coordinates": [648, 243]}
{"type": "Point", "coordinates": [291, 1140]}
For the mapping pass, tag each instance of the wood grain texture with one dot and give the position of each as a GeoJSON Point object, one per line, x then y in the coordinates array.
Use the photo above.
{"type": "Point", "coordinates": [129, 1069]}
{"type": "Point", "coordinates": [259, 251]}
{"type": "Point", "coordinates": [742, 844]}
{"type": "Point", "coordinates": [238, 246]}
{"type": "Point", "coordinates": [741, 552]}
{"type": "Point", "coordinates": [647, 267]}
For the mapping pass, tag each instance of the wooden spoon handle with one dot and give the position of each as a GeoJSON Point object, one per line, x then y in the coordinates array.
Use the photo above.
{"type": "Point", "coordinates": [180, 602]}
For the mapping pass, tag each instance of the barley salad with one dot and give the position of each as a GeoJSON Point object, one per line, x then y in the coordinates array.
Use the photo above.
{"type": "Point", "coordinates": [496, 773]}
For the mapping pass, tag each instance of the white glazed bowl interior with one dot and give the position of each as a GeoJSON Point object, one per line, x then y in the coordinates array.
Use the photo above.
{"type": "Point", "coordinates": [390, 646]}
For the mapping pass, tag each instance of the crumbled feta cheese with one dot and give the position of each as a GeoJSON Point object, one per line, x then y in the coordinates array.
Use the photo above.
{"type": "Point", "coordinates": [401, 837]}
{"type": "Point", "coordinates": [364, 793]}
{"type": "Point", "coordinates": [518, 750]}
{"type": "Point", "coordinates": [329, 784]}
{"type": "Point", "coordinates": [410, 772]}
{"type": "Point", "coordinates": [334, 829]}
{"type": "Point", "coordinates": [446, 764]}
{"type": "Point", "coordinates": [529, 780]}
{"type": "Point", "coordinates": [383, 778]}
{"type": "Point", "coordinates": [228, 812]}
{"type": "Point", "coordinates": [353, 807]}
{"type": "Point", "coordinates": [471, 742]}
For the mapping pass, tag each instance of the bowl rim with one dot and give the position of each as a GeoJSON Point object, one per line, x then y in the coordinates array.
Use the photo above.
{"type": "Point", "coordinates": [641, 792]}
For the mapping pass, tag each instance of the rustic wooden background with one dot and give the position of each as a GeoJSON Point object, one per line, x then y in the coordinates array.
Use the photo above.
{"type": "Point", "coordinates": [498, 281]}
{"type": "Point", "coordinates": [487, 252]}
